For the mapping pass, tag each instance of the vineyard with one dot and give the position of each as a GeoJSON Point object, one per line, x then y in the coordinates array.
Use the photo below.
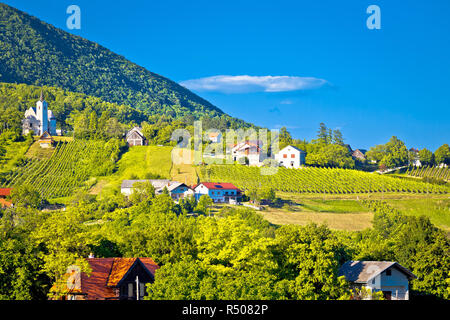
{"type": "Point", "coordinates": [430, 172]}
{"type": "Point", "coordinates": [315, 180]}
{"type": "Point", "coordinates": [69, 166]}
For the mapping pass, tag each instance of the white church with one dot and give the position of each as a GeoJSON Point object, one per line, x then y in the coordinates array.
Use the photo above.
{"type": "Point", "coordinates": [39, 119]}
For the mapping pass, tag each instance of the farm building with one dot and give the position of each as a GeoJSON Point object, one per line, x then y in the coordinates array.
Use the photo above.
{"type": "Point", "coordinates": [291, 157]}
{"type": "Point", "coordinates": [359, 154]}
{"type": "Point", "coordinates": [219, 192]}
{"type": "Point", "coordinates": [249, 152]}
{"type": "Point", "coordinates": [110, 279]}
{"type": "Point", "coordinates": [214, 137]}
{"type": "Point", "coordinates": [46, 140]}
{"type": "Point", "coordinates": [389, 277]}
{"type": "Point", "coordinates": [177, 190]}
{"type": "Point", "coordinates": [135, 137]}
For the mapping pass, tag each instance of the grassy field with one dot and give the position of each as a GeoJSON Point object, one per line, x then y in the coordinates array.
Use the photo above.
{"type": "Point", "coordinates": [438, 210]}
{"type": "Point", "coordinates": [345, 212]}
{"type": "Point", "coordinates": [140, 162]}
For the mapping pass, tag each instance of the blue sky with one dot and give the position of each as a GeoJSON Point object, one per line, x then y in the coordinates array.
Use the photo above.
{"type": "Point", "coordinates": [306, 62]}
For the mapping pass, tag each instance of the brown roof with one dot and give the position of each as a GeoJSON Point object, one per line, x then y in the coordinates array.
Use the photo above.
{"type": "Point", "coordinates": [107, 273]}
{"type": "Point", "coordinates": [363, 271]}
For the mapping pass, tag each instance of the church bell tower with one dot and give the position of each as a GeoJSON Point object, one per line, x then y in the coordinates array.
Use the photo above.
{"type": "Point", "coordinates": [42, 114]}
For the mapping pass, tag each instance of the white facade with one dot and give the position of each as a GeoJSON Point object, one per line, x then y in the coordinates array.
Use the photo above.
{"type": "Point", "coordinates": [392, 282]}
{"type": "Point", "coordinates": [387, 277]}
{"type": "Point", "coordinates": [39, 119]}
{"type": "Point", "coordinates": [218, 192]}
{"type": "Point", "coordinates": [177, 190]}
{"type": "Point", "coordinates": [291, 157]}
{"type": "Point", "coordinates": [250, 150]}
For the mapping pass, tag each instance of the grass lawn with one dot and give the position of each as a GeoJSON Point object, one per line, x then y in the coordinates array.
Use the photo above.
{"type": "Point", "coordinates": [338, 221]}
{"type": "Point", "coordinates": [345, 211]}
{"type": "Point", "coordinates": [438, 210]}
{"type": "Point", "coordinates": [140, 162]}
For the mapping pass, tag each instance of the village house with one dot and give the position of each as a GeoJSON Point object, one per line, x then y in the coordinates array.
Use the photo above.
{"type": "Point", "coordinates": [4, 194]}
{"type": "Point", "coordinates": [177, 190]}
{"type": "Point", "coordinates": [218, 192]}
{"type": "Point", "coordinates": [291, 157]}
{"type": "Point", "coordinates": [39, 119]}
{"type": "Point", "coordinates": [46, 140]}
{"type": "Point", "coordinates": [359, 154]}
{"type": "Point", "coordinates": [388, 277]}
{"type": "Point", "coordinates": [135, 137]}
{"type": "Point", "coordinates": [414, 157]}
{"type": "Point", "coordinates": [214, 137]}
{"type": "Point", "coordinates": [249, 152]}
{"type": "Point", "coordinates": [110, 279]}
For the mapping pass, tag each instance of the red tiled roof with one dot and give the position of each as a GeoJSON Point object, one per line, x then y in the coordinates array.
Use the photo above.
{"type": "Point", "coordinates": [119, 268]}
{"type": "Point", "coordinates": [219, 185]}
{"type": "Point", "coordinates": [107, 273]}
{"type": "Point", "coordinates": [5, 192]}
{"type": "Point", "coordinates": [95, 285]}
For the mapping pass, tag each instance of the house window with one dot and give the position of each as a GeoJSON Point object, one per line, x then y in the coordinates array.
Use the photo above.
{"type": "Point", "coordinates": [130, 289]}
{"type": "Point", "coordinates": [373, 281]}
{"type": "Point", "coordinates": [388, 272]}
{"type": "Point", "coordinates": [284, 155]}
{"type": "Point", "coordinates": [292, 155]}
{"type": "Point", "coordinates": [141, 289]}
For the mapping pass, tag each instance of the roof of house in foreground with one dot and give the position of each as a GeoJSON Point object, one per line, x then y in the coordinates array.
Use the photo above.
{"type": "Point", "coordinates": [106, 274]}
{"type": "Point", "coordinates": [363, 271]}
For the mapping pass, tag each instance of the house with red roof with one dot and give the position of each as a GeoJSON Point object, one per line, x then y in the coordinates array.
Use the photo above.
{"type": "Point", "coordinates": [109, 279]}
{"type": "Point", "coordinates": [220, 192]}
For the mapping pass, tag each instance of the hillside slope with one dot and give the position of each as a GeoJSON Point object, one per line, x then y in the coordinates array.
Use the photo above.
{"type": "Point", "coordinates": [34, 52]}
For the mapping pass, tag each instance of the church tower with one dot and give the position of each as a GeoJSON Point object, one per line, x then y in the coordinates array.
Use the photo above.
{"type": "Point", "coordinates": [42, 114]}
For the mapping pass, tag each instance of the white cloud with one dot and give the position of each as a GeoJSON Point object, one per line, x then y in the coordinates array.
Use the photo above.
{"type": "Point", "coordinates": [244, 83]}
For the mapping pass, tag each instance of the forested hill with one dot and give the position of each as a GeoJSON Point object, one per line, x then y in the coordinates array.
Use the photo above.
{"type": "Point", "coordinates": [34, 52]}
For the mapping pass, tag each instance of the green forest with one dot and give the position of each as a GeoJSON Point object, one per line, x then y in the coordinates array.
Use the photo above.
{"type": "Point", "coordinates": [233, 255]}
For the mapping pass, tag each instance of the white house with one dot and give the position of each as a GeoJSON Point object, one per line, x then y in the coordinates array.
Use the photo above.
{"type": "Point", "coordinates": [177, 190]}
{"type": "Point", "coordinates": [39, 119]}
{"type": "Point", "coordinates": [127, 185]}
{"type": "Point", "coordinates": [250, 150]}
{"type": "Point", "coordinates": [219, 192]}
{"type": "Point", "coordinates": [291, 157]}
{"type": "Point", "coordinates": [389, 277]}
{"type": "Point", "coordinates": [214, 137]}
